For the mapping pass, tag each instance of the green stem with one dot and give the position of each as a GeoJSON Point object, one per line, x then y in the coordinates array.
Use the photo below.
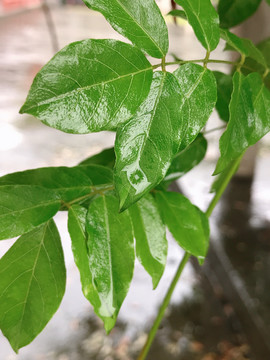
{"type": "Point", "coordinates": [162, 308]}
{"type": "Point", "coordinates": [165, 303]}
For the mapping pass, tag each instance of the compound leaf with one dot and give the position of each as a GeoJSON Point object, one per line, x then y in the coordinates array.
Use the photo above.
{"type": "Point", "coordinates": [24, 207]}
{"type": "Point", "coordinates": [249, 118]}
{"type": "Point", "coordinates": [145, 145]}
{"type": "Point", "coordinates": [150, 235]}
{"type": "Point", "coordinates": [198, 92]}
{"type": "Point", "coordinates": [204, 20]}
{"type": "Point", "coordinates": [186, 159]}
{"type": "Point", "coordinates": [111, 254]}
{"type": "Point", "coordinates": [224, 93]}
{"type": "Point", "coordinates": [89, 86]}
{"type": "Point", "coordinates": [187, 223]}
{"type": "Point", "coordinates": [33, 279]}
{"type": "Point", "coordinates": [68, 183]}
{"type": "Point", "coordinates": [140, 21]}
{"type": "Point", "coordinates": [233, 12]}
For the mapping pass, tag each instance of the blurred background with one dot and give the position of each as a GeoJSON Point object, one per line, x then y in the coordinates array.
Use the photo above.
{"type": "Point", "coordinates": [218, 312]}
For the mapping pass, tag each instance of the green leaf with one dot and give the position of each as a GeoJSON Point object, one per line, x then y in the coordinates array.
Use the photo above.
{"type": "Point", "coordinates": [68, 183]}
{"type": "Point", "coordinates": [268, 2]}
{"type": "Point", "coordinates": [253, 66]}
{"type": "Point", "coordinates": [249, 118]}
{"type": "Point", "coordinates": [140, 21]}
{"type": "Point", "coordinates": [89, 86]}
{"type": "Point", "coordinates": [198, 92]}
{"type": "Point", "coordinates": [111, 254]}
{"type": "Point", "coordinates": [150, 235]}
{"type": "Point", "coordinates": [77, 230]}
{"type": "Point", "coordinates": [187, 223]}
{"type": "Point", "coordinates": [186, 159]}
{"type": "Point", "coordinates": [178, 13]}
{"type": "Point", "coordinates": [224, 93]}
{"type": "Point", "coordinates": [105, 158]}
{"type": "Point", "coordinates": [243, 46]}
{"type": "Point", "coordinates": [145, 145]}
{"type": "Point", "coordinates": [233, 12]}
{"type": "Point", "coordinates": [24, 207]}
{"type": "Point", "coordinates": [204, 20]}
{"type": "Point", "coordinates": [33, 278]}
{"type": "Point", "coordinates": [221, 178]}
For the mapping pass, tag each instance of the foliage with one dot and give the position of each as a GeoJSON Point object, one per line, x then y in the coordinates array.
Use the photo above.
{"type": "Point", "coordinates": [117, 201]}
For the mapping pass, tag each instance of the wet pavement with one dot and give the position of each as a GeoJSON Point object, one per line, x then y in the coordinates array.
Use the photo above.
{"type": "Point", "coordinates": [201, 323]}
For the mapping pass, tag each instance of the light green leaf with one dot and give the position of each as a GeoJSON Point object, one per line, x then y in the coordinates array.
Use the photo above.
{"type": "Point", "coordinates": [198, 92]}
{"type": "Point", "coordinates": [204, 20]}
{"type": "Point", "coordinates": [24, 207]}
{"type": "Point", "coordinates": [186, 159]}
{"type": "Point", "coordinates": [33, 278]}
{"type": "Point", "coordinates": [249, 118]}
{"type": "Point", "coordinates": [187, 223]}
{"type": "Point", "coordinates": [105, 158]}
{"type": "Point", "coordinates": [89, 86]}
{"type": "Point", "coordinates": [68, 183]}
{"type": "Point", "coordinates": [178, 13]}
{"type": "Point", "coordinates": [140, 21]}
{"type": "Point", "coordinates": [145, 145]}
{"type": "Point", "coordinates": [79, 238]}
{"type": "Point", "coordinates": [233, 12]}
{"type": "Point", "coordinates": [111, 255]}
{"type": "Point", "coordinates": [243, 46]}
{"type": "Point", "coordinates": [222, 177]}
{"type": "Point", "coordinates": [224, 93]}
{"type": "Point", "coordinates": [150, 235]}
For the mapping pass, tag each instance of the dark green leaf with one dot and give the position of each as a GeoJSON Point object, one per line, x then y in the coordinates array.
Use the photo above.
{"type": "Point", "coordinates": [198, 91]}
{"type": "Point", "coordinates": [140, 21]}
{"type": "Point", "coordinates": [186, 159]}
{"type": "Point", "coordinates": [111, 254]}
{"type": "Point", "coordinates": [145, 146]}
{"type": "Point", "coordinates": [186, 222]}
{"type": "Point", "coordinates": [243, 46]}
{"type": "Point", "coordinates": [249, 118]}
{"type": "Point", "coordinates": [150, 235]}
{"type": "Point", "coordinates": [233, 12]}
{"type": "Point", "coordinates": [79, 239]}
{"type": "Point", "coordinates": [224, 93]}
{"type": "Point", "coordinates": [89, 86]}
{"type": "Point", "coordinates": [253, 66]}
{"type": "Point", "coordinates": [105, 158]}
{"type": "Point", "coordinates": [24, 207]}
{"type": "Point", "coordinates": [178, 13]}
{"type": "Point", "coordinates": [32, 285]}
{"type": "Point", "coordinates": [69, 183]}
{"type": "Point", "coordinates": [268, 2]}
{"type": "Point", "coordinates": [204, 20]}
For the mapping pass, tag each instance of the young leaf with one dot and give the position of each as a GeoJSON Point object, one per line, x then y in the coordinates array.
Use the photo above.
{"type": "Point", "coordinates": [204, 20]}
{"type": "Point", "coordinates": [33, 279]}
{"type": "Point", "coordinates": [243, 46]}
{"type": "Point", "coordinates": [77, 230]}
{"type": "Point", "coordinates": [140, 21]}
{"type": "Point", "coordinates": [150, 235]}
{"type": "Point", "coordinates": [68, 183]}
{"type": "Point", "coordinates": [233, 12]}
{"type": "Point", "coordinates": [105, 158]}
{"type": "Point", "coordinates": [178, 13]}
{"type": "Point", "coordinates": [249, 118]}
{"type": "Point", "coordinates": [24, 207]}
{"type": "Point", "coordinates": [111, 255]}
{"type": "Point", "coordinates": [145, 145]}
{"type": "Point", "coordinates": [186, 159]}
{"type": "Point", "coordinates": [198, 91]}
{"type": "Point", "coordinates": [224, 93]}
{"type": "Point", "coordinates": [187, 223]}
{"type": "Point", "coordinates": [89, 86]}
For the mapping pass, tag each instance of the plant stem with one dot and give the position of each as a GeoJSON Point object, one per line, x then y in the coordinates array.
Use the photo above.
{"type": "Point", "coordinates": [166, 300]}
{"type": "Point", "coordinates": [163, 307]}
